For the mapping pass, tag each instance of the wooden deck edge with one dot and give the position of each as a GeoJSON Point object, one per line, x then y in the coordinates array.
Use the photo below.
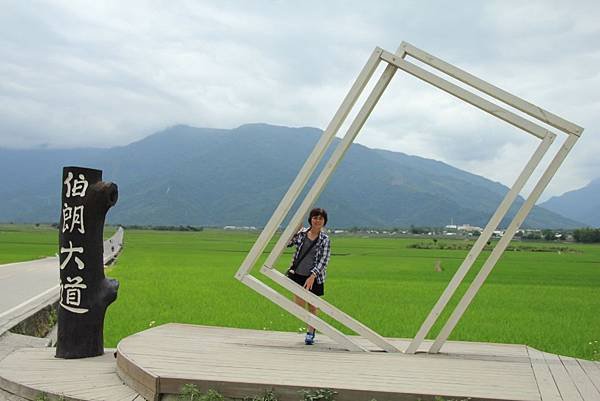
{"type": "Point", "coordinates": [141, 380]}
{"type": "Point", "coordinates": [241, 390]}
{"type": "Point", "coordinates": [12, 389]}
{"type": "Point", "coordinates": [22, 390]}
{"type": "Point", "coordinates": [6, 396]}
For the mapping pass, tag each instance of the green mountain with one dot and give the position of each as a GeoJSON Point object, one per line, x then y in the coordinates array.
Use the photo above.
{"type": "Point", "coordinates": [582, 204]}
{"type": "Point", "coordinates": [214, 177]}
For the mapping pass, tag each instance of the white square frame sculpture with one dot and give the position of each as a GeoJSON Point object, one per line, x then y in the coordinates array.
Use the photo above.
{"type": "Point", "coordinates": [394, 62]}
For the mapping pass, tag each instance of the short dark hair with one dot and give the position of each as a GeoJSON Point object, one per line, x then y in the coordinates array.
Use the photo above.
{"type": "Point", "coordinates": [317, 212]}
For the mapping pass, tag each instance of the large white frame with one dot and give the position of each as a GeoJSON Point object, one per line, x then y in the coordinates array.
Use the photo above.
{"type": "Point", "coordinates": [394, 62]}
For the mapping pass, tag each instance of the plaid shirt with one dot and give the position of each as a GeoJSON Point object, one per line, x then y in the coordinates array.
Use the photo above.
{"type": "Point", "coordinates": [322, 253]}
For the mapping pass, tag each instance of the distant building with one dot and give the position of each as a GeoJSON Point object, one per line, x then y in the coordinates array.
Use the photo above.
{"type": "Point", "coordinates": [469, 228]}
{"type": "Point", "coordinates": [239, 228]}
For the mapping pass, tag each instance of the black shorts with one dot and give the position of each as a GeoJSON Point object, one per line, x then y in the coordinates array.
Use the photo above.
{"type": "Point", "coordinates": [317, 289]}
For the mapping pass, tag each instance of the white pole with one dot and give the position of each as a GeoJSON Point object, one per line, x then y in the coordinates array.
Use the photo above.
{"type": "Point", "coordinates": [503, 243]}
{"type": "Point", "coordinates": [310, 164]}
{"type": "Point", "coordinates": [301, 313]}
{"type": "Point", "coordinates": [320, 183]}
{"type": "Point", "coordinates": [465, 95]}
{"type": "Point", "coordinates": [332, 163]}
{"type": "Point", "coordinates": [329, 310]}
{"type": "Point", "coordinates": [480, 244]}
{"type": "Point", "coordinates": [489, 89]}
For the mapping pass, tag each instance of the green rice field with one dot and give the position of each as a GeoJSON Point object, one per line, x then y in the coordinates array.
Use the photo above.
{"type": "Point", "coordinates": [545, 295]}
{"type": "Point", "coordinates": [20, 243]}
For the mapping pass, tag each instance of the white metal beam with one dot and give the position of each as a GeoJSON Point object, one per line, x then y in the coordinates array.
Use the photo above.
{"type": "Point", "coordinates": [301, 313]}
{"type": "Point", "coordinates": [475, 251]}
{"type": "Point", "coordinates": [503, 243]}
{"type": "Point", "coordinates": [329, 309]}
{"type": "Point", "coordinates": [500, 94]}
{"type": "Point", "coordinates": [332, 163]}
{"type": "Point", "coordinates": [467, 96]}
{"type": "Point", "coordinates": [300, 182]}
{"type": "Point", "coordinates": [314, 192]}
{"type": "Point", "coordinates": [310, 164]}
{"type": "Point", "coordinates": [396, 61]}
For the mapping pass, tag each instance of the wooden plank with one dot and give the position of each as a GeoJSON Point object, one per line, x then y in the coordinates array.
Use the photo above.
{"type": "Point", "coordinates": [136, 377]}
{"type": "Point", "coordinates": [567, 388]}
{"type": "Point", "coordinates": [29, 372]}
{"type": "Point", "coordinates": [4, 396]}
{"type": "Point", "coordinates": [291, 393]}
{"type": "Point", "coordinates": [18, 389]}
{"type": "Point", "coordinates": [543, 376]}
{"type": "Point", "coordinates": [139, 374]}
{"type": "Point", "coordinates": [592, 370]}
{"type": "Point", "coordinates": [175, 354]}
{"type": "Point", "coordinates": [368, 382]}
{"type": "Point", "coordinates": [187, 333]}
{"type": "Point", "coordinates": [234, 364]}
{"type": "Point", "coordinates": [583, 383]}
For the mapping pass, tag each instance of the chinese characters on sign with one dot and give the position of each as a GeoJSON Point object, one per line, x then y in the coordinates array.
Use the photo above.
{"type": "Point", "coordinates": [71, 290]}
{"type": "Point", "coordinates": [85, 292]}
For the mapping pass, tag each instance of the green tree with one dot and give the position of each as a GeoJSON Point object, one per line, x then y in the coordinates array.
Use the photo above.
{"type": "Point", "coordinates": [548, 235]}
{"type": "Point", "coordinates": [587, 235]}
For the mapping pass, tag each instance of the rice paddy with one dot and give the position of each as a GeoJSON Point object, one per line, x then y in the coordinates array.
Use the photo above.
{"type": "Point", "coordinates": [549, 300]}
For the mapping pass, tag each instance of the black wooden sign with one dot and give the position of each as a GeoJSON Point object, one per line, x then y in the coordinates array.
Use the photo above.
{"type": "Point", "coordinates": [85, 292]}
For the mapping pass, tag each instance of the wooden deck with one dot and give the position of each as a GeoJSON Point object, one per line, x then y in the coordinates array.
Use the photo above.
{"type": "Point", "coordinates": [240, 363]}
{"type": "Point", "coordinates": [30, 372]}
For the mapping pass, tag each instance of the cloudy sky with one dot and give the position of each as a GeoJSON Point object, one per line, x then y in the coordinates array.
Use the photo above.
{"type": "Point", "coordinates": [105, 73]}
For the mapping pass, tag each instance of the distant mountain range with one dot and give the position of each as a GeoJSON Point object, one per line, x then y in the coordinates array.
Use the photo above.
{"type": "Point", "coordinates": [582, 204]}
{"type": "Point", "coordinates": [216, 177]}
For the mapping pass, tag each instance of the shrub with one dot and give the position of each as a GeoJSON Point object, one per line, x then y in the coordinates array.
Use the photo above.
{"type": "Point", "coordinates": [321, 394]}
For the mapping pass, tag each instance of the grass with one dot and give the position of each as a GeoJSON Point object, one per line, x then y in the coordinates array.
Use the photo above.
{"type": "Point", "coordinates": [27, 242]}
{"type": "Point", "coordinates": [20, 243]}
{"type": "Point", "coordinates": [548, 300]}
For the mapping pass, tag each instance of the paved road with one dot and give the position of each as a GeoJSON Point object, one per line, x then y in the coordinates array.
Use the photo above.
{"type": "Point", "coordinates": [22, 281]}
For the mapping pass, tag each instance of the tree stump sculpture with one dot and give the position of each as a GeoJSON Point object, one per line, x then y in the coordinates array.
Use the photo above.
{"type": "Point", "coordinates": [85, 292]}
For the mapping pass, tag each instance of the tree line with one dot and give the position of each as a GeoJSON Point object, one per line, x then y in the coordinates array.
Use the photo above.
{"type": "Point", "coordinates": [587, 235]}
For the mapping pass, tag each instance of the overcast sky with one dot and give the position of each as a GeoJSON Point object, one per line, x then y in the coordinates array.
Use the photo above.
{"type": "Point", "coordinates": [106, 73]}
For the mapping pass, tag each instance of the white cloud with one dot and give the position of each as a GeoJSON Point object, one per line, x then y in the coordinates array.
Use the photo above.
{"type": "Point", "coordinates": [107, 73]}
